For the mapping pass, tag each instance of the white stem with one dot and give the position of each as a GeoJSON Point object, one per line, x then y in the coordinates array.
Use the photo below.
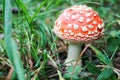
{"type": "Point", "coordinates": [73, 54]}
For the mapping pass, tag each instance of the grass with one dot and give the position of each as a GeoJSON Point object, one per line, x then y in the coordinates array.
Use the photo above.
{"type": "Point", "coordinates": [29, 46]}
{"type": "Point", "coordinates": [11, 47]}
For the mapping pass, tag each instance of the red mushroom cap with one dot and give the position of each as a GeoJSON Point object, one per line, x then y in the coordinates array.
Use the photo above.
{"type": "Point", "coordinates": [79, 24]}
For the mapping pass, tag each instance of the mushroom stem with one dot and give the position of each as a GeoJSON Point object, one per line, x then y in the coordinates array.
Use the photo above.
{"type": "Point", "coordinates": [73, 54]}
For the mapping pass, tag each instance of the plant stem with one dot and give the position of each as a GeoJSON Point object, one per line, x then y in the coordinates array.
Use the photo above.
{"type": "Point", "coordinates": [73, 54]}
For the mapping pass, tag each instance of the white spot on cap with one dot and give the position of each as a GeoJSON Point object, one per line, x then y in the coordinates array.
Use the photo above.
{"type": "Point", "coordinates": [75, 35]}
{"type": "Point", "coordinates": [94, 37]}
{"type": "Point", "coordinates": [73, 17]}
{"type": "Point", "coordinates": [82, 39]}
{"type": "Point", "coordinates": [60, 33]}
{"type": "Point", "coordinates": [71, 33]}
{"type": "Point", "coordinates": [88, 14]}
{"type": "Point", "coordinates": [91, 36]}
{"type": "Point", "coordinates": [89, 32]}
{"type": "Point", "coordinates": [81, 8]}
{"type": "Point", "coordinates": [65, 31]}
{"type": "Point", "coordinates": [87, 8]}
{"type": "Point", "coordinates": [69, 25]}
{"type": "Point", "coordinates": [84, 29]}
{"type": "Point", "coordinates": [80, 34]}
{"type": "Point", "coordinates": [95, 14]}
{"type": "Point", "coordinates": [88, 39]}
{"type": "Point", "coordinates": [59, 22]}
{"type": "Point", "coordinates": [76, 26]}
{"type": "Point", "coordinates": [96, 34]}
{"type": "Point", "coordinates": [88, 19]}
{"type": "Point", "coordinates": [86, 36]}
{"type": "Point", "coordinates": [59, 27]}
{"type": "Point", "coordinates": [73, 38]}
{"type": "Point", "coordinates": [102, 20]}
{"type": "Point", "coordinates": [93, 32]}
{"type": "Point", "coordinates": [77, 15]}
{"type": "Point", "coordinates": [81, 12]}
{"type": "Point", "coordinates": [90, 26]}
{"type": "Point", "coordinates": [67, 18]}
{"type": "Point", "coordinates": [67, 14]}
{"type": "Point", "coordinates": [66, 36]}
{"type": "Point", "coordinates": [96, 31]}
{"type": "Point", "coordinates": [103, 24]}
{"type": "Point", "coordinates": [94, 22]}
{"type": "Point", "coordinates": [55, 29]}
{"type": "Point", "coordinates": [81, 19]}
{"type": "Point", "coordinates": [100, 26]}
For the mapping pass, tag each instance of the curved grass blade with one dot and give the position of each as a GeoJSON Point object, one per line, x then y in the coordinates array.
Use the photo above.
{"type": "Point", "coordinates": [23, 8]}
{"type": "Point", "coordinates": [38, 10]}
{"type": "Point", "coordinates": [101, 56]}
{"type": "Point", "coordinates": [17, 62]}
{"type": "Point", "coordinates": [92, 68]}
{"type": "Point", "coordinates": [8, 27]}
{"type": "Point", "coordinates": [105, 74]}
{"type": "Point", "coordinates": [49, 3]}
{"type": "Point", "coordinates": [11, 46]}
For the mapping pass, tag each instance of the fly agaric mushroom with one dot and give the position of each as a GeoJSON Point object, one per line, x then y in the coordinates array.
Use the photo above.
{"type": "Point", "coordinates": [78, 24]}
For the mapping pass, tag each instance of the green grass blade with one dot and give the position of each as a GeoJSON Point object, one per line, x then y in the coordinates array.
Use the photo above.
{"type": "Point", "coordinates": [38, 10]}
{"type": "Point", "coordinates": [17, 62]}
{"type": "Point", "coordinates": [34, 54]}
{"type": "Point", "coordinates": [11, 47]}
{"type": "Point", "coordinates": [50, 2]}
{"type": "Point", "coordinates": [113, 53]}
{"type": "Point", "coordinates": [8, 27]}
{"type": "Point", "coordinates": [101, 56]}
{"type": "Point", "coordinates": [105, 74]}
{"type": "Point", "coordinates": [92, 68]}
{"type": "Point", "coordinates": [25, 11]}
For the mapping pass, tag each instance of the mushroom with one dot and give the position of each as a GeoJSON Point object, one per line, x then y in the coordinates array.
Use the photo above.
{"type": "Point", "coordinates": [78, 24]}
